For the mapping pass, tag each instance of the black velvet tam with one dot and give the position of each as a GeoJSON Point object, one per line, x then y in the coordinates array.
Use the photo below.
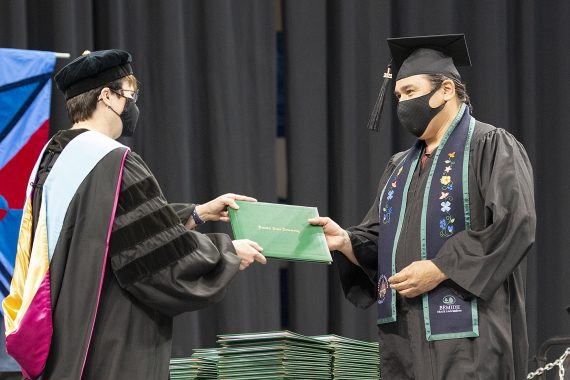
{"type": "Point", "coordinates": [92, 70]}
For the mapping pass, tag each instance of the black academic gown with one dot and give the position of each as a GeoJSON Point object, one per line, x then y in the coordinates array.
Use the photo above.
{"type": "Point", "coordinates": [487, 262]}
{"type": "Point", "coordinates": [155, 269]}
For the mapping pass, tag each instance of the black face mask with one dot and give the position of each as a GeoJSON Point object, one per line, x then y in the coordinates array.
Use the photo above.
{"type": "Point", "coordinates": [415, 114]}
{"type": "Point", "coordinates": [129, 117]}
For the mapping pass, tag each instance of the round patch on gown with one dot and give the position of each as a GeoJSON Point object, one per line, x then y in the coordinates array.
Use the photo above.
{"type": "Point", "coordinates": [383, 286]}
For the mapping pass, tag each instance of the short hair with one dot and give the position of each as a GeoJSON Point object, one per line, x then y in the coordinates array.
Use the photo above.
{"type": "Point", "coordinates": [460, 88]}
{"type": "Point", "coordinates": [81, 107]}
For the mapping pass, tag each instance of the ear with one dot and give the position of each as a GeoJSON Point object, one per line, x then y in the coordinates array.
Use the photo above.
{"type": "Point", "coordinates": [105, 96]}
{"type": "Point", "coordinates": [448, 89]}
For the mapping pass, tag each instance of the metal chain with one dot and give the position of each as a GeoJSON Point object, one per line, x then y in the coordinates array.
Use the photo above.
{"type": "Point", "coordinates": [558, 362]}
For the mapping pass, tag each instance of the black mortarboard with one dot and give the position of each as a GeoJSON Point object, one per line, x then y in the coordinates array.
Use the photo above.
{"type": "Point", "coordinates": [429, 55]}
{"type": "Point", "coordinates": [438, 54]}
{"type": "Point", "coordinates": [92, 70]}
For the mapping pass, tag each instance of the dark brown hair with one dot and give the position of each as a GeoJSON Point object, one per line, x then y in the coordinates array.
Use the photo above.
{"type": "Point", "coordinates": [460, 88]}
{"type": "Point", "coordinates": [81, 107]}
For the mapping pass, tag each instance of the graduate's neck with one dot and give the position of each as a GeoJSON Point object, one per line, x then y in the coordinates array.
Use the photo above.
{"type": "Point", "coordinates": [439, 125]}
{"type": "Point", "coordinates": [103, 122]}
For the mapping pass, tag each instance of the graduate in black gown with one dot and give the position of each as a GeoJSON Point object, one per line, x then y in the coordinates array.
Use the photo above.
{"type": "Point", "coordinates": [125, 261]}
{"type": "Point", "coordinates": [458, 255]}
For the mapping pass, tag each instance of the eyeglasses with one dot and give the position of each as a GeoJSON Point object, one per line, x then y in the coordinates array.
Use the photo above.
{"type": "Point", "coordinates": [121, 92]}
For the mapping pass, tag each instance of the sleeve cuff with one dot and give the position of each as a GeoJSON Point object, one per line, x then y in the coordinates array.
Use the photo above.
{"type": "Point", "coordinates": [183, 211]}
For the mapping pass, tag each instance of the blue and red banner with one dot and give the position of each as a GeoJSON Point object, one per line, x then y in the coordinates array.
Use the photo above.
{"type": "Point", "coordinates": [25, 92]}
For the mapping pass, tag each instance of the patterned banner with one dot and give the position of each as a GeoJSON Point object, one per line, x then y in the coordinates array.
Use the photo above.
{"type": "Point", "coordinates": [25, 92]}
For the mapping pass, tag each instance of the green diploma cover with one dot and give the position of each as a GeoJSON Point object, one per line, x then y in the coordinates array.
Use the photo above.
{"type": "Point", "coordinates": [281, 230]}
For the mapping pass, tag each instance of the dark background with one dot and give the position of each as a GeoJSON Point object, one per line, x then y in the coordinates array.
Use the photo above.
{"type": "Point", "coordinates": [208, 72]}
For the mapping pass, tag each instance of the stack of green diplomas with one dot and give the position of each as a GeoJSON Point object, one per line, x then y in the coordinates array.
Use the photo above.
{"type": "Point", "coordinates": [353, 359]}
{"type": "Point", "coordinates": [202, 365]}
{"type": "Point", "coordinates": [273, 355]}
{"type": "Point", "coordinates": [282, 230]}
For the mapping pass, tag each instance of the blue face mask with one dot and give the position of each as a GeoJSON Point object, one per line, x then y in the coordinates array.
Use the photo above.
{"type": "Point", "coordinates": [415, 114]}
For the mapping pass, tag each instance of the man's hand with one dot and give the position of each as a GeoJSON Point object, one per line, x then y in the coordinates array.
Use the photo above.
{"type": "Point", "coordinates": [336, 237]}
{"type": "Point", "coordinates": [248, 251]}
{"type": "Point", "coordinates": [417, 278]}
{"type": "Point", "coordinates": [217, 209]}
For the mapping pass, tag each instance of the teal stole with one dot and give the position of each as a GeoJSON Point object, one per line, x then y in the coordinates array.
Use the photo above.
{"type": "Point", "coordinates": [445, 212]}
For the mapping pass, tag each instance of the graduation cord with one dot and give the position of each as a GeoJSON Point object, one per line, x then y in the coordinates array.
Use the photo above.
{"type": "Point", "coordinates": [558, 362]}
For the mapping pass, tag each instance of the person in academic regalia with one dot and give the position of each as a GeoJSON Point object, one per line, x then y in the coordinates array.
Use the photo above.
{"type": "Point", "coordinates": [441, 252]}
{"type": "Point", "coordinates": [104, 262]}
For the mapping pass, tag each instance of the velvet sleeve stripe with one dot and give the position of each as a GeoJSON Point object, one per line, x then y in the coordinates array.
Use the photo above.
{"type": "Point", "coordinates": [137, 194]}
{"type": "Point", "coordinates": [142, 229]}
{"type": "Point", "coordinates": [141, 211]}
{"type": "Point", "coordinates": [155, 260]}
